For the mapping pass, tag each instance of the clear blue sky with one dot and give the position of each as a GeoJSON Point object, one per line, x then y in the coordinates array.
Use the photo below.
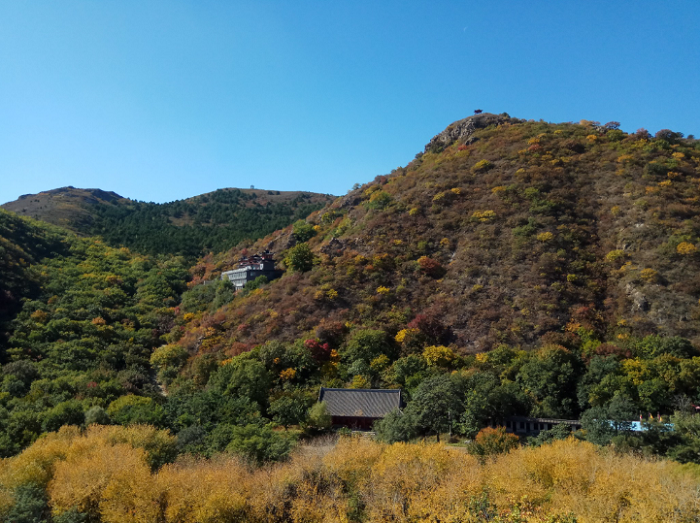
{"type": "Point", "coordinates": [162, 100]}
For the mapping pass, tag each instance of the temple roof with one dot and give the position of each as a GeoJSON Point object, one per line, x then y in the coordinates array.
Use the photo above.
{"type": "Point", "coordinates": [364, 403]}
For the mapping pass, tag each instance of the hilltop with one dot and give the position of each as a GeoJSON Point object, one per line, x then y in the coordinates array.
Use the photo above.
{"type": "Point", "coordinates": [67, 207]}
{"type": "Point", "coordinates": [209, 222]}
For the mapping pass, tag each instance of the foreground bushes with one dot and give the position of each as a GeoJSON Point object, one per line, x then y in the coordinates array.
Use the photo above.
{"type": "Point", "coordinates": [109, 474]}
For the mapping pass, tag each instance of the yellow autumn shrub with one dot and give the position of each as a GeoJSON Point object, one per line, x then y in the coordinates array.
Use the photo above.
{"type": "Point", "coordinates": [103, 472]}
{"type": "Point", "coordinates": [438, 356]}
{"type": "Point", "coordinates": [685, 248]}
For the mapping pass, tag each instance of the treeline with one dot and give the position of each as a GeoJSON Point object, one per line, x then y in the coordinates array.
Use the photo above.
{"type": "Point", "coordinates": [213, 222]}
{"type": "Point", "coordinates": [116, 475]}
{"type": "Point", "coordinates": [607, 386]}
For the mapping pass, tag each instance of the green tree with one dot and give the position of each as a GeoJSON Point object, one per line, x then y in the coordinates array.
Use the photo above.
{"type": "Point", "coordinates": [260, 443]}
{"type": "Point", "coordinates": [31, 506]}
{"type": "Point", "coordinates": [134, 410]}
{"type": "Point", "coordinates": [397, 426]}
{"type": "Point", "coordinates": [300, 258]}
{"type": "Point", "coordinates": [66, 413]}
{"type": "Point", "coordinates": [550, 377]}
{"type": "Point", "coordinates": [435, 405]}
{"type": "Point", "coordinates": [243, 377]}
{"type": "Point", "coordinates": [366, 345]}
{"type": "Point", "coordinates": [319, 417]}
{"type": "Point", "coordinates": [557, 432]}
{"type": "Point", "coordinates": [290, 408]}
{"type": "Point", "coordinates": [602, 424]}
{"type": "Point", "coordinates": [96, 415]}
{"type": "Point", "coordinates": [303, 231]}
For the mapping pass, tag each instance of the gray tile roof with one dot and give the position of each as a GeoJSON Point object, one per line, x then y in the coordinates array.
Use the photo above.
{"type": "Point", "coordinates": [365, 403]}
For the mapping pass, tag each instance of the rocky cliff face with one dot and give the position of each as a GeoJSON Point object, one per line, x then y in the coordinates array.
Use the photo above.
{"type": "Point", "coordinates": [462, 131]}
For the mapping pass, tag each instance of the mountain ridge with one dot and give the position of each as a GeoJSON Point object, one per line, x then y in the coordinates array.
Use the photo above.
{"type": "Point", "coordinates": [211, 221]}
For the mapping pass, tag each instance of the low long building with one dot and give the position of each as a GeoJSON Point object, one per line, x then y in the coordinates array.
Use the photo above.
{"type": "Point", "coordinates": [250, 268]}
{"type": "Point", "coordinates": [526, 426]}
{"type": "Point", "coordinates": [359, 408]}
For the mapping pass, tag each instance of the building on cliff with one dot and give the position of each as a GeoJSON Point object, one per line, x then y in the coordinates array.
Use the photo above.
{"type": "Point", "coordinates": [251, 267]}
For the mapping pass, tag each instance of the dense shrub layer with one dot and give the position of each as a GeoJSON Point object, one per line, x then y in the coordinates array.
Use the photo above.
{"type": "Point", "coordinates": [111, 475]}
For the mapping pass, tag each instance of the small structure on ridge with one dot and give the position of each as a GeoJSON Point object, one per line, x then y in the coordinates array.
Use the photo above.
{"type": "Point", "coordinates": [359, 408]}
{"type": "Point", "coordinates": [251, 267]}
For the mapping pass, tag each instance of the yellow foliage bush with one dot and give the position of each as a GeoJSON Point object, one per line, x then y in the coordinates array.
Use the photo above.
{"type": "Point", "coordinates": [380, 363]}
{"type": "Point", "coordinates": [439, 197]}
{"type": "Point", "coordinates": [41, 317]}
{"type": "Point", "coordinates": [170, 355]}
{"type": "Point", "coordinates": [438, 356]}
{"type": "Point", "coordinates": [288, 374]}
{"type": "Point", "coordinates": [104, 474]}
{"type": "Point", "coordinates": [370, 190]}
{"type": "Point", "coordinates": [686, 248]}
{"type": "Point", "coordinates": [484, 216]}
{"type": "Point", "coordinates": [545, 236]}
{"type": "Point", "coordinates": [403, 333]}
{"type": "Point", "coordinates": [360, 382]}
{"type": "Point", "coordinates": [481, 166]}
{"type": "Point", "coordinates": [625, 158]}
{"type": "Point", "coordinates": [615, 255]}
{"type": "Point", "coordinates": [383, 290]}
{"type": "Point", "coordinates": [649, 275]}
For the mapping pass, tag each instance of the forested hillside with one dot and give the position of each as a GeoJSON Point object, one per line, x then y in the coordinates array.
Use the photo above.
{"type": "Point", "coordinates": [512, 268]}
{"type": "Point", "coordinates": [555, 267]}
{"type": "Point", "coordinates": [22, 243]}
{"type": "Point", "coordinates": [211, 222]}
{"type": "Point", "coordinates": [81, 320]}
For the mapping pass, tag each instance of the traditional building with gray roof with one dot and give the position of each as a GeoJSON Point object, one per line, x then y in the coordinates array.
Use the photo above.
{"type": "Point", "coordinates": [359, 408]}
